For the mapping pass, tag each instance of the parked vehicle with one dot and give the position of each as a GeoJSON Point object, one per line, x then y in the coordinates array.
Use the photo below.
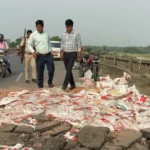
{"type": "Point", "coordinates": [90, 62]}
{"type": "Point", "coordinates": [56, 49]}
{"type": "Point", "coordinates": [3, 64]}
{"type": "Point", "coordinates": [76, 65]}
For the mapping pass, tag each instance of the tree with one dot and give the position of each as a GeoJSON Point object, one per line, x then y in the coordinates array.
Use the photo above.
{"type": "Point", "coordinates": [55, 38]}
{"type": "Point", "coordinates": [18, 40]}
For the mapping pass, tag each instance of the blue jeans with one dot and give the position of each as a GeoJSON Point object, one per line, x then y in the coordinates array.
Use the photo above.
{"type": "Point", "coordinates": [41, 61]}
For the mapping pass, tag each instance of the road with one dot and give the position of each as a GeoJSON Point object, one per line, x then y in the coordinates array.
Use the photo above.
{"type": "Point", "coordinates": [16, 79]}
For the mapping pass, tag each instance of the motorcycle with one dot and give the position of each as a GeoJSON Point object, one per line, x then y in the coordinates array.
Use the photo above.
{"type": "Point", "coordinates": [3, 65]}
{"type": "Point", "coordinates": [18, 51]}
{"type": "Point", "coordinates": [90, 62]}
{"type": "Point", "coordinates": [76, 65]}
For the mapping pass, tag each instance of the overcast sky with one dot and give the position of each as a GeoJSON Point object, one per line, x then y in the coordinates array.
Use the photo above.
{"type": "Point", "coordinates": [100, 22]}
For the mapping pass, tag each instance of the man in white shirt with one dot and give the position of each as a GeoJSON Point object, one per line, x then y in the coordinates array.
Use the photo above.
{"type": "Point", "coordinates": [71, 48]}
{"type": "Point", "coordinates": [41, 41]}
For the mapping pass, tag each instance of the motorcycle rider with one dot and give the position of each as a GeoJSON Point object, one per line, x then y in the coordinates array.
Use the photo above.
{"type": "Point", "coordinates": [4, 45]}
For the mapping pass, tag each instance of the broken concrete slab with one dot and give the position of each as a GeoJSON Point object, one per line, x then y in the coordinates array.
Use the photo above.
{"type": "Point", "coordinates": [40, 118]}
{"type": "Point", "coordinates": [79, 148]}
{"type": "Point", "coordinates": [43, 127]}
{"type": "Point", "coordinates": [110, 146]}
{"type": "Point", "coordinates": [54, 143]}
{"type": "Point", "coordinates": [138, 146]}
{"type": "Point", "coordinates": [126, 138]}
{"type": "Point", "coordinates": [92, 137]}
{"type": "Point", "coordinates": [71, 145]}
{"type": "Point", "coordinates": [23, 129]}
{"type": "Point", "coordinates": [9, 139]}
{"type": "Point", "coordinates": [7, 128]}
{"type": "Point", "coordinates": [146, 132]}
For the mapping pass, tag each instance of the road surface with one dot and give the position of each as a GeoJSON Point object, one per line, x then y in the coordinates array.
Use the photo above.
{"type": "Point", "coordinates": [16, 79]}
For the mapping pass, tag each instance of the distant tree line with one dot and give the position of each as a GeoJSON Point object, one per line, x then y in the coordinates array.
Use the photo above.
{"type": "Point", "coordinates": [115, 50]}
{"type": "Point", "coordinates": [96, 49]}
{"type": "Point", "coordinates": [13, 44]}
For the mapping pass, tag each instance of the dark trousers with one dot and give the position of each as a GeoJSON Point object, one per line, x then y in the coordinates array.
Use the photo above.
{"type": "Point", "coordinates": [69, 59]}
{"type": "Point", "coordinates": [40, 65]}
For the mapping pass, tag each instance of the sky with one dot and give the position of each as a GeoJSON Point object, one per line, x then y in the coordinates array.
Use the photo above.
{"type": "Point", "coordinates": [100, 22]}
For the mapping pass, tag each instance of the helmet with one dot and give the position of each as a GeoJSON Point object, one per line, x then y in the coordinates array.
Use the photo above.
{"type": "Point", "coordinates": [1, 36]}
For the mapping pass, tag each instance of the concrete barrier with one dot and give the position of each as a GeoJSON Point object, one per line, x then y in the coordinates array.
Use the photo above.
{"type": "Point", "coordinates": [136, 66]}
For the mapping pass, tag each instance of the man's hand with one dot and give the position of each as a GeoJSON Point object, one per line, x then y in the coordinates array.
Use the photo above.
{"type": "Point", "coordinates": [61, 55]}
{"type": "Point", "coordinates": [79, 57]}
{"type": "Point", "coordinates": [34, 55]}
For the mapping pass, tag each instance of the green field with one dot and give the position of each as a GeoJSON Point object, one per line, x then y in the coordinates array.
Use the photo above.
{"type": "Point", "coordinates": [137, 56]}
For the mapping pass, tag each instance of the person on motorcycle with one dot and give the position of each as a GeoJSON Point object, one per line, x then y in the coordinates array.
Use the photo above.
{"type": "Point", "coordinates": [4, 45]}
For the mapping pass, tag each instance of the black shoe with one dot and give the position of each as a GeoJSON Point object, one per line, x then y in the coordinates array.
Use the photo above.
{"type": "Point", "coordinates": [72, 87]}
{"type": "Point", "coordinates": [34, 80]}
{"type": "Point", "coordinates": [51, 85]}
{"type": "Point", "coordinates": [9, 70]}
{"type": "Point", "coordinates": [64, 88]}
{"type": "Point", "coordinates": [40, 87]}
{"type": "Point", "coordinates": [27, 81]}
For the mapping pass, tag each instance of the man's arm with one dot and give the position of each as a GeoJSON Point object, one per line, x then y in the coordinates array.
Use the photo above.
{"type": "Point", "coordinates": [22, 43]}
{"type": "Point", "coordinates": [62, 44]}
{"type": "Point", "coordinates": [50, 45]}
{"type": "Point", "coordinates": [6, 44]}
{"type": "Point", "coordinates": [79, 46]}
{"type": "Point", "coordinates": [79, 43]}
{"type": "Point", "coordinates": [31, 44]}
{"type": "Point", "coordinates": [61, 48]}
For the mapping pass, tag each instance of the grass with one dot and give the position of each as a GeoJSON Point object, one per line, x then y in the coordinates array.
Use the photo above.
{"type": "Point", "coordinates": [138, 56]}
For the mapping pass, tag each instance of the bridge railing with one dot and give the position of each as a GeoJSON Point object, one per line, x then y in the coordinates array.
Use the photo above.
{"type": "Point", "coordinates": [133, 65]}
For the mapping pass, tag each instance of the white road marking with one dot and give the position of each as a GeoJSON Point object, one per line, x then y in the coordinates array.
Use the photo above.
{"type": "Point", "coordinates": [19, 77]}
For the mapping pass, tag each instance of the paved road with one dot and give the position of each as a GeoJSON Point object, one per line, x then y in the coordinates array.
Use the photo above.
{"type": "Point", "coordinates": [16, 80]}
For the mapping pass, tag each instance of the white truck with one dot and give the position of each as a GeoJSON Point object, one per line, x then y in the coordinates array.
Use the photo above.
{"type": "Point", "coordinates": [56, 49]}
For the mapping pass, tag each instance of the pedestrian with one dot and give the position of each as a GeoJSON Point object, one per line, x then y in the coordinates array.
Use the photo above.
{"type": "Point", "coordinates": [71, 47]}
{"type": "Point", "coordinates": [28, 58]}
{"type": "Point", "coordinates": [4, 45]}
{"type": "Point", "coordinates": [43, 55]}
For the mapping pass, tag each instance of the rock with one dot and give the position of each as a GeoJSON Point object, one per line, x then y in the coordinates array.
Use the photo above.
{"type": "Point", "coordinates": [92, 137]}
{"type": "Point", "coordinates": [40, 118]}
{"type": "Point", "coordinates": [79, 148]}
{"type": "Point", "coordinates": [47, 134]}
{"type": "Point", "coordinates": [70, 145]}
{"type": "Point", "coordinates": [7, 128]}
{"type": "Point", "coordinates": [38, 140]}
{"type": "Point", "coordinates": [62, 128]}
{"type": "Point", "coordinates": [126, 138]}
{"type": "Point", "coordinates": [138, 146]}
{"type": "Point", "coordinates": [9, 139]}
{"type": "Point", "coordinates": [109, 146]}
{"type": "Point", "coordinates": [36, 134]}
{"type": "Point", "coordinates": [37, 146]}
{"type": "Point", "coordinates": [57, 130]}
{"type": "Point", "coordinates": [146, 132]}
{"type": "Point", "coordinates": [54, 143]}
{"type": "Point", "coordinates": [23, 129]}
{"type": "Point", "coordinates": [25, 137]}
{"type": "Point", "coordinates": [47, 126]}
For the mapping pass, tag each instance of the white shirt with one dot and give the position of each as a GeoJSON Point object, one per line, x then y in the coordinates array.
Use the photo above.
{"type": "Point", "coordinates": [41, 42]}
{"type": "Point", "coordinates": [71, 42]}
